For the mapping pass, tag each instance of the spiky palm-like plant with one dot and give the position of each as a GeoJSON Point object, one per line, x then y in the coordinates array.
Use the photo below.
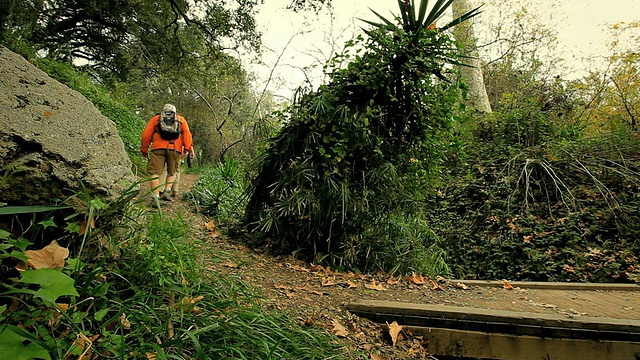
{"type": "Point", "coordinates": [342, 176]}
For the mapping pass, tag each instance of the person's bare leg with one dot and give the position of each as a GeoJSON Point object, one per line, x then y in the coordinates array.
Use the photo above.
{"type": "Point", "coordinates": [169, 183]}
{"type": "Point", "coordinates": [155, 185]}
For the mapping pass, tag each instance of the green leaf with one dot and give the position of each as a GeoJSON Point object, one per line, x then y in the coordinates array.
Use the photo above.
{"type": "Point", "coordinates": [16, 346]}
{"type": "Point", "coordinates": [99, 315]}
{"type": "Point", "coordinates": [47, 223]}
{"type": "Point", "coordinates": [21, 244]}
{"type": "Point", "coordinates": [53, 284]}
{"type": "Point", "coordinates": [4, 235]}
{"type": "Point", "coordinates": [12, 210]}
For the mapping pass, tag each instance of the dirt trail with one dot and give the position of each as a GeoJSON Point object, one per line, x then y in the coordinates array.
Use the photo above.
{"type": "Point", "coordinates": [316, 296]}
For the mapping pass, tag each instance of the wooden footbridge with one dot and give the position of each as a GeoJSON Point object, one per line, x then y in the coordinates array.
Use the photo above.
{"type": "Point", "coordinates": [496, 331]}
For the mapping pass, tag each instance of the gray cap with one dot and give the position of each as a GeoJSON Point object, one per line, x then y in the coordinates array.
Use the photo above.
{"type": "Point", "coordinates": [169, 108]}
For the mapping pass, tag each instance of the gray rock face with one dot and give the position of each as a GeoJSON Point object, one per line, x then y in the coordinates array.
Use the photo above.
{"type": "Point", "coordinates": [54, 140]}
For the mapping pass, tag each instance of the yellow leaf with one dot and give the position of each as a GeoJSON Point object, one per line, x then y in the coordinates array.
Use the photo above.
{"type": "Point", "coordinates": [50, 257]}
{"type": "Point", "coordinates": [394, 331]}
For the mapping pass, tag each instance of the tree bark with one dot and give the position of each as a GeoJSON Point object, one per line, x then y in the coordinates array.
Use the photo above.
{"type": "Point", "coordinates": [472, 74]}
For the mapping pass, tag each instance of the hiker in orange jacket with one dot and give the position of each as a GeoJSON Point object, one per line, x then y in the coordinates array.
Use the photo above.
{"type": "Point", "coordinates": [170, 139]}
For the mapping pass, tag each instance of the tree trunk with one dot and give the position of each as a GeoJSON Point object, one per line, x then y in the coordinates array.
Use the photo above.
{"type": "Point", "coordinates": [471, 75]}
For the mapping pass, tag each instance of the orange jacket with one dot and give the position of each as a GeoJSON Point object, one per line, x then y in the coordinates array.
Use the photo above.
{"type": "Point", "coordinates": [150, 136]}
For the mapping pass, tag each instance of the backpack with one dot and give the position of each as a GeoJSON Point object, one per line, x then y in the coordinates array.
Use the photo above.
{"type": "Point", "coordinates": [169, 129]}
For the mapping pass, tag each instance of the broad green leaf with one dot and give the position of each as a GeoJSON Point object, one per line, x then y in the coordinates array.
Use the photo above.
{"type": "Point", "coordinates": [4, 235]}
{"type": "Point", "coordinates": [21, 244]}
{"type": "Point", "coordinates": [53, 284]}
{"type": "Point", "coordinates": [15, 346]}
{"type": "Point", "coordinates": [99, 315]}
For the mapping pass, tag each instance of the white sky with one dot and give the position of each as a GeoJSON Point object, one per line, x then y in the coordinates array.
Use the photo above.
{"type": "Point", "coordinates": [302, 40]}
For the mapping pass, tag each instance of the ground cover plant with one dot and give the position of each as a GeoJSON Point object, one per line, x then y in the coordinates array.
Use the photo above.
{"type": "Point", "coordinates": [138, 291]}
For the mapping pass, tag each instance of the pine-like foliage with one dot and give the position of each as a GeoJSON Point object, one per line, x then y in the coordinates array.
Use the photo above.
{"type": "Point", "coordinates": [342, 178]}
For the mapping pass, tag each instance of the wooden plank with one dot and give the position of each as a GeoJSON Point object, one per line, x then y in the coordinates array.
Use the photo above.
{"type": "Point", "coordinates": [473, 344]}
{"type": "Point", "coordinates": [552, 285]}
{"type": "Point", "coordinates": [449, 316]}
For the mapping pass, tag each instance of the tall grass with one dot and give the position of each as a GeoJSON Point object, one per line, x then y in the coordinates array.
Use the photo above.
{"type": "Point", "coordinates": [146, 294]}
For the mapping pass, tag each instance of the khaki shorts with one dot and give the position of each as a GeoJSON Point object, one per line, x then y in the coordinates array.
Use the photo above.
{"type": "Point", "coordinates": [159, 157]}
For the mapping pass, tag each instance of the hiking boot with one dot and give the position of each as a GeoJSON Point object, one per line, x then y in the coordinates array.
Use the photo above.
{"type": "Point", "coordinates": [167, 196]}
{"type": "Point", "coordinates": [154, 201]}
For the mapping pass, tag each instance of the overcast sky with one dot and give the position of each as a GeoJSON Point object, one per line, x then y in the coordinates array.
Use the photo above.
{"type": "Point", "coordinates": [295, 41]}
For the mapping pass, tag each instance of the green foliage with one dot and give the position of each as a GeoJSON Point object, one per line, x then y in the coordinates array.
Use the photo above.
{"type": "Point", "coordinates": [339, 181]}
{"type": "Point", "coordinates": [128, 38]}
{"type": "Point", "coordinates": [145, 292]}
{"type": "Point", "coordinates": [563, 212]}
{"type": "Point", "coordinates": [219, 192]}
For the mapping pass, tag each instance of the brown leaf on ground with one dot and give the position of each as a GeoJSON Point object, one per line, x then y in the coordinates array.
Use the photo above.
{"type": "Point", "coordinates": [378, 357]}
{"type": "Point", "coordinates": [83, 226]}
{"type": "Point", "coordinates": [462, 286]}
{"type": "Point", "coordinates": [393, 281]}
{"type": "Point", "coordinates": [394, 331]}
{"type": "Point", "coordinates": [337, 329]}
{"type": "Point", "coordinates": [375, 286]}
{"type": "Point", "coordinates": [329, 282]}
{"type": "Point", "coordinates": [506, 285]}
{"type": "Point", "coordinates": [49, 257]}
{"type": "Point", "coordinates": [210, 225]}
{"type": "Point", "coordinates": [351, 284]}
{"type": "Point", "coordinates": [418, 279]}
{"type": "Point", "coordinates": [436, 286]}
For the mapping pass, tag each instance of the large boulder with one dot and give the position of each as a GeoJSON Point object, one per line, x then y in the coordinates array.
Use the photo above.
{"type": "Point", "coordinates": [53, 141]}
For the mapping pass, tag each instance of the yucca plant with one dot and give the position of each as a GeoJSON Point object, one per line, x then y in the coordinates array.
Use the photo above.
{"type": "Point", "coordinates": [348, 159]}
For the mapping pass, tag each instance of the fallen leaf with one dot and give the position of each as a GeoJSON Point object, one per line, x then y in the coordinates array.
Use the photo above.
{"type": "Point", "coordinates": [462, 286]}
{"type": "Point", "coordinates": [124, 322]}
{"type": "Point", "coordinates": [393, 281]}
{"type": "Point", "coordinates": [418, 279]}
{"type": "Point", "coordinates": [378, 357]}
{"type": "Point", "coordinates": [351, 284]}
{"type": "Point", "coordinates": [337, 329]}
{"type": "Point", "coordinates": [569, 268]}
{"type": "Point", "coordinates": [506, 285]}
{"type": "Point", "coordinates": [527, 239]}
{"type": "Point", "coordinates": [394, 331]}
{"type": "Point", "coordinates": [151, 356]}
{"type": "Point", "coordinates": [328, 282]}
{"type": "Point", "coordinates": [49, 257]}
{"type": "Point", "coordinates": [83, 226]}
{"type": "Point", "coordinates": [375, 286]}
{"type": "Point", "coordinates": [210, 225]}
{"type": "Point", "coordinates": [436, 286]}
